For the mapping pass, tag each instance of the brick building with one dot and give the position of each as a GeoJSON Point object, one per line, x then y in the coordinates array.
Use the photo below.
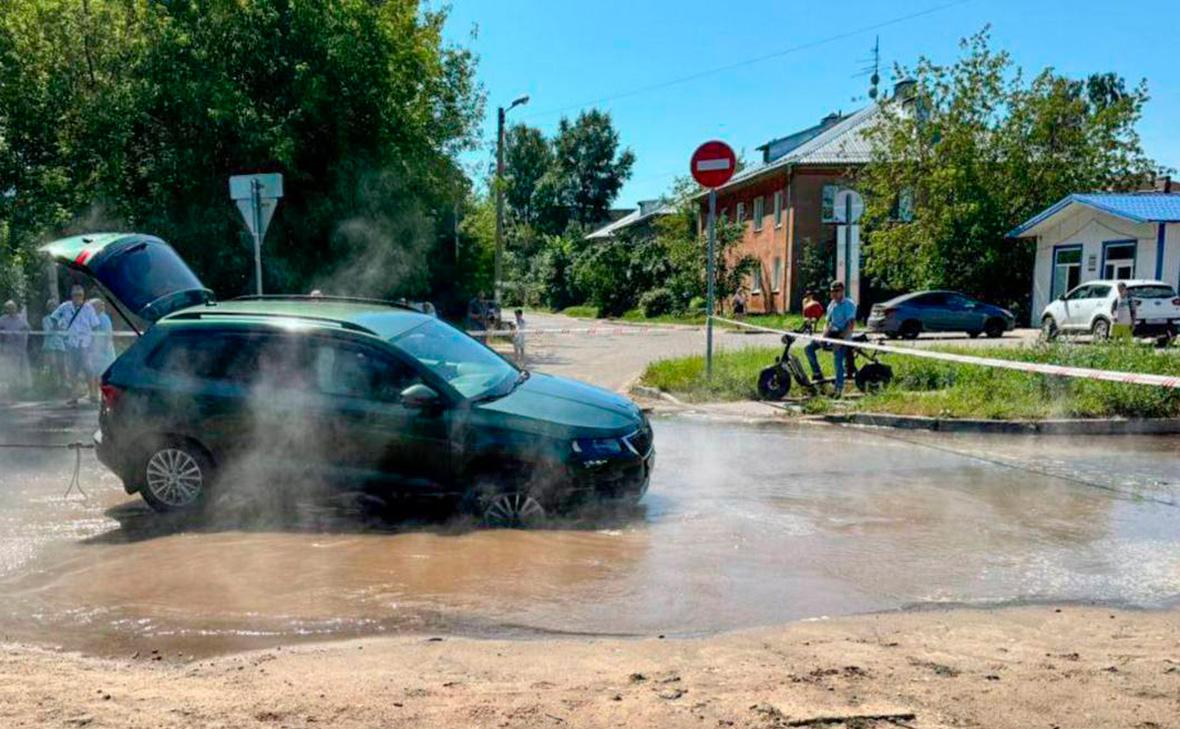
{"type": "Point", "coordinates": [786, 203]}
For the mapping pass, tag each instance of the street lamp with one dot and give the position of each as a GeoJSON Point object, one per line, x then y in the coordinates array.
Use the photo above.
{"type": "Point", "coordinates": [500, 114]}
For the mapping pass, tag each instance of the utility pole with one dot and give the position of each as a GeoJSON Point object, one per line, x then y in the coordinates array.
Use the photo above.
{"type": "Point", "coordinates": [501, 113]}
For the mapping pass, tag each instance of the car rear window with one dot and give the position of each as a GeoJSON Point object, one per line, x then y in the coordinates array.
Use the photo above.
{"type": "Point", "coordinates": [1156, 291]}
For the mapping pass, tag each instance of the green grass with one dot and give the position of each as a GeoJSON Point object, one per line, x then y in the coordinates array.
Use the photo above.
{"type": "Point", "coordinates": [581, 312]}
{"type": "Point", "coordinates": [943, 389]}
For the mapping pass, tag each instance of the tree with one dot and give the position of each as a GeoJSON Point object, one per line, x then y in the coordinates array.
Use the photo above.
{"type": "Point", "coordinates": [586, 174]}
{"type": "Point", "coordinates": [527, 156]}
{"type": "Point", "coordinates": [977, 150]}
{"type": "Point", "coordinates": [132, 114]}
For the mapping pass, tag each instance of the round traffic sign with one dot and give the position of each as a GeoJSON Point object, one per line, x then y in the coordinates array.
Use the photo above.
{"type": "Point", "coordinates": [713, 164]}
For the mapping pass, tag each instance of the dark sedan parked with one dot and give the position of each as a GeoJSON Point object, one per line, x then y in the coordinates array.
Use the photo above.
{"type": "Point", "coordinates": [909, 315]}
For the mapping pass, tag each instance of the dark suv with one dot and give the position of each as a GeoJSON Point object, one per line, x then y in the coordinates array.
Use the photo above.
{"type": "Point", "coordinates": [340, 391]}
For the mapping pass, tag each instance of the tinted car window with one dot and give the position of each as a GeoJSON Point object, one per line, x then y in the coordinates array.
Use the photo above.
{"type": "Point", "coordinates": [270, 361]}
{"type": "Point", "coordinates": [1152, 292]}
{"type": "Point", "coordinates": [1098, 292]}
{"type": "Point", "coordinates": [195, 354]}
{"type": "Point", "coordinates": [1081, 292]}
{"type": "Point", "coordinates": [928, 300]}
{"type": "Point", "coordinates": [146, 272]}
{"type": "Point", "coordinates": [466, 365]}
{"type": "Point", "coordinates": [347, 370]}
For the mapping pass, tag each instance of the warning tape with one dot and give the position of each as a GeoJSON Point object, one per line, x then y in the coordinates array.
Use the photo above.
{"type": "Point", "coordinates": [42, 333]}
{"type": "Point", "coordinates": [591, 331]}
{"type": "Point", "coordinates": [1134, 378]}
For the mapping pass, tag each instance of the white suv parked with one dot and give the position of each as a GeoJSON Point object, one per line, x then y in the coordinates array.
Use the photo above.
{"type": "Point", "coordinates": [1090, 308]}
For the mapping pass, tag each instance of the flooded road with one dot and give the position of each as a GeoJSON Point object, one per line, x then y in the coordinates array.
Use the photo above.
{"type": "Point", "coordinates": [743, 526]}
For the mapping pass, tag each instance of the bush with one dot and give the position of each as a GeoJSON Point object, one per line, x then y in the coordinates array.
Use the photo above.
{"type": "Point", "coordinates": [696, 305]}
{"type": "Point", "coordinates": [581, 312]}
{"type": "Point", "coordinates": [656, 302]}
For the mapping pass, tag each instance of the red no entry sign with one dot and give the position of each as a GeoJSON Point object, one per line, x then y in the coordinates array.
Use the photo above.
{"type": "Point", "coordinates": [713, 164]}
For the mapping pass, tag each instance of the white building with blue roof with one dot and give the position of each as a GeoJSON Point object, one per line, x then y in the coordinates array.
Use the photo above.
{"type": "Point", "coordinates": [1111, 236]}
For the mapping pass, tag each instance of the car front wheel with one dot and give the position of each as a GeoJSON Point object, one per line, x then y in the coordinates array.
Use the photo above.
{"type": "Point", "coordinates": [1100, 329]}
{"type": "Point", "coordinates": [176, 476]}
{"type": "Point", "coordinates": [994, 328]}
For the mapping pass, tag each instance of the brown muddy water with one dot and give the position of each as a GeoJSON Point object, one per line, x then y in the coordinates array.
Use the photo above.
{"type": "Point", "coordinates": [743, 526]}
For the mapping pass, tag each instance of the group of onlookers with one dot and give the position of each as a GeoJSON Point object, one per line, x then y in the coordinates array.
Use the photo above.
{"type": "Point", "coordinates": [77, 345]}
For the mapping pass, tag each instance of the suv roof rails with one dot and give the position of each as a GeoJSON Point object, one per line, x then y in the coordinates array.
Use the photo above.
{"type": "Point", "coordinates": [402, 304]}
{"type": "Point", "coordinates": [214, 313]}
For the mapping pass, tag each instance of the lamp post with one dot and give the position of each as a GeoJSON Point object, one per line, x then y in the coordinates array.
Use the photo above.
{"type": "Point", "coordinates": [500, 114]}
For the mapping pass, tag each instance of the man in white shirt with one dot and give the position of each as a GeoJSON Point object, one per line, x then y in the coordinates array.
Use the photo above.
{"type": "Point", "coordinates": [78, 320]}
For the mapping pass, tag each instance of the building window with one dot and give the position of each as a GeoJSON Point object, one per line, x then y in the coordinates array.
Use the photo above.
{"type": "Point", "coordinates": [1067, 269]}
{"type": "Point", "coordinates": [778, 209]}
{"type": "Point", "coordinates": [1118, 259]}
{"type": "Point", "coordinates": [756, 274]}
{"type": "Point", "coordinates": [758, 212]}
{"type": "Point", "coordinates": [777, 281]}
{"type": "Point", "coordinates": [828, 205]}
{"type": "Point", "coordinates": [741, 213]}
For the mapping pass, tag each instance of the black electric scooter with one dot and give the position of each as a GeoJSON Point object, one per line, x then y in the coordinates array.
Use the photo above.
{"type": "Point", "coordinates": [774, 382]}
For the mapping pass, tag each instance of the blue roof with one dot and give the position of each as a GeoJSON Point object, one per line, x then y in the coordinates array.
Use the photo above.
{"type": "Point", "coordinates": [1138, 207]}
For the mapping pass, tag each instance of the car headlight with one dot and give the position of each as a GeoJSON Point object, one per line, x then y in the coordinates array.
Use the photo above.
{"type": "Point", "coordinates": [598, 447]}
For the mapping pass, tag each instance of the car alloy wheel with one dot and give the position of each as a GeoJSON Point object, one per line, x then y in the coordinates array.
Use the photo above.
{"type": "Point", "coordinates": [174, 478]}
{"type": "Point", "coordinates": [513, 511]}
{"type": "Point", "coordinates": [1048, 329]}
{"type": "Point", "coordinates": [1100, 330]}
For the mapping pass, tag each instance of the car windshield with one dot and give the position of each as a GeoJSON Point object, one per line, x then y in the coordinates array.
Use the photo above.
{"type": "Point", "coordinates": [1156, 291]}
{"type": "Point", "coordinates": [466, 365]}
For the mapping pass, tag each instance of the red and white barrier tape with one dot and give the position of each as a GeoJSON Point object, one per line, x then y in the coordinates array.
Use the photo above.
{"type": "Point", "coordinates": [39, 333]}
{"type": "Point", "coordinates": [1134, 378]}
{"type": "Point", "coordinates": [590, 331]}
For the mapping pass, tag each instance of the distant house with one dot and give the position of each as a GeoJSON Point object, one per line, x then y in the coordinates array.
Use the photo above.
{"type": "Point", "coordinates": [787, 203]}
{"type": "Point", "coordinates": [638, 221]}
{"type": "Point", "coordinates": [1103, 236]}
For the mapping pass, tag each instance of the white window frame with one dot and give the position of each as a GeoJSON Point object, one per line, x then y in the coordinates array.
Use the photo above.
{"type": "Point", "coordinates": [741, 213]}
{"type": "Point", "coordinates": [759, 211]}
{"type": "Point", "coordinates": [756, 275]}
{"type": "Point", "coordinates": [776, 275]}
{"type": "Point", "coordinates": [778, 209]}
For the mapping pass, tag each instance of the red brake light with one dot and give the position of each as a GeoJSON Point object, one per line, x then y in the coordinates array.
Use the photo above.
{"type": "Point", "coordinates": [110, 397]}
{"type": "Point", "coordinates": [1175, 302]}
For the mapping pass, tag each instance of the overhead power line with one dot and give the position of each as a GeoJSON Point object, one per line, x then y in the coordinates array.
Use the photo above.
{"type": "Point", "coordinates": [749, 61]}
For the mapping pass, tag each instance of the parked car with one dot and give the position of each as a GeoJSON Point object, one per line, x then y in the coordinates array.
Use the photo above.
{"type": "Point", "coordinates": [343, 391]}
{"type": "Point", "coordinates": [1089, 308]}
{"type": "Point", "coordinates": [909, 315]}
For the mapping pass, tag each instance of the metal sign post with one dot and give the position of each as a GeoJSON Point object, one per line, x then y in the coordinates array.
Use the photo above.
{"type": "Point", "coordinates": [710, 275]}
{"type": "Point", "coordinates": [256, 197]}
{"type": "Point", "coordinates": [712, 164]}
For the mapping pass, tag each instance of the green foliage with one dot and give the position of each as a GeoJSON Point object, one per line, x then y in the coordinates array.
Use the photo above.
{"type": "Point", "coordinates": [980, 149]}
{"type": "Point", "coordinates": [656, 302]}
{"type": "Point", "coordinates": [527, 157]}
{"type": "Point", "coordinates": [581, 312]}
{"type": "Point", "coordinates": [131, 114]}
{"type": "Point", "coordinates": [817, 265]}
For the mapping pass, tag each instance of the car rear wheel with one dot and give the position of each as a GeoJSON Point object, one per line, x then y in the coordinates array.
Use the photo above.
{"type": "Point", "coordinates": [994, 328]}
{"type": "Point", "coordinates": [176, 476]}
{"type": "Point", "coordinates": [513, 510]}
{"type": "Point", "coordinates": [1049, 329]}
{"type": "Point", "coordinates": [1100, 329]}
{"type": "Point", "coordinates": [910, 329]}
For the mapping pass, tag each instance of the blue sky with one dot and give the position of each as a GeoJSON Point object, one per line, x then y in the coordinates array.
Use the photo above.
{"type": "Point", "coordinates": [569, 54]}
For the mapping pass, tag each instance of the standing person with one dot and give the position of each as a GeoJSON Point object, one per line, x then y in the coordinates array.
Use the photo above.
{"type": "Point", "coordinates": [739, 303]}
{"type": "Point", "coordinates": [518, 336]}
{"type": "Point", "coordinates": [477, 314]}
{"type": "Point", "coordinates": [841, 318]}
{"type": "Point", "coordinates": [1124, 315]}
{"type": "Point", "coordinates": [102, 350]}
{"type": "Point", "coordinates": [14, 350]}
{"type": "Point", "coordinates": [53, 347]}
{"type": "Point", "coordinates": [78, 321]}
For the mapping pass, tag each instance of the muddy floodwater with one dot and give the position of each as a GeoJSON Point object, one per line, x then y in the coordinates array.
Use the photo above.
{"type": "Point", "coordinates": [743, 526]}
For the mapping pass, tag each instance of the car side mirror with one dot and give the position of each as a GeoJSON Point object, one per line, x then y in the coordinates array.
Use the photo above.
{"type": "Point", "coordinates": [421, 397]}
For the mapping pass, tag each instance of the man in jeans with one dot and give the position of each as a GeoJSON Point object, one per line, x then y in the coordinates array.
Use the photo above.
{"type": "Point", "coordinates": [841, 317]}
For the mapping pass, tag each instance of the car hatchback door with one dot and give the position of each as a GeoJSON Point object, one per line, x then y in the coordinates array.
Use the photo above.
{"type": "Point", "coordinates": [376, 437]}
{"type": "Point", "coordinates": [142, 276]}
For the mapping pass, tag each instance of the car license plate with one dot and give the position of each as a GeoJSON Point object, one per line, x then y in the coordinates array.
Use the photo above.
{"type": "Point", "coordinates": [1157, 321]}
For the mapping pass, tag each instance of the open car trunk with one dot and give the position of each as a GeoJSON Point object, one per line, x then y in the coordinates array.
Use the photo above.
{"type": "Point", "coordinates": [140, 274]}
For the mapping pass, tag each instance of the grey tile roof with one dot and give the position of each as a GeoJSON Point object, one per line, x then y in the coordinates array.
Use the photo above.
{"type": "Point", "coordinates": [845, 143]}
{"type": "Point", "coordinates": [634, 217]}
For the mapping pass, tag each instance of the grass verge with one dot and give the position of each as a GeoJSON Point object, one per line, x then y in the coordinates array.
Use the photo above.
{"type": "Point", "coordinates": [942, 389]}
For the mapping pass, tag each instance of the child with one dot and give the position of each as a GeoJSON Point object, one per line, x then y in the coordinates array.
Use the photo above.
{"type": "Point", "coordinates": [813, 311]}
{"type": "Point", "coordinates": [518, 337]}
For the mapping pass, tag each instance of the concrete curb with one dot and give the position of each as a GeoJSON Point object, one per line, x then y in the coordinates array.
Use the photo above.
{"type": "Point", "coordinates": [1101, 426]}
